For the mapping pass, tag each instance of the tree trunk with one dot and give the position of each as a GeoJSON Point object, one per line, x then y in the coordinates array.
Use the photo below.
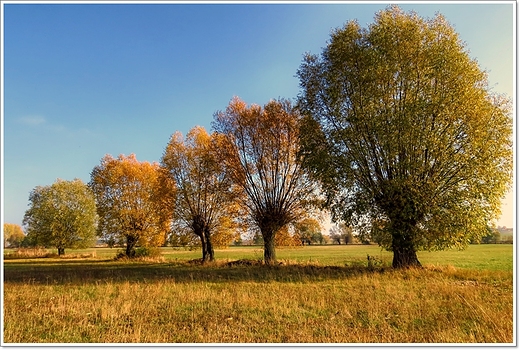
{"type": "Point", "coordinates": [203, 245]}
{"type": "Point", "coordinates": [61, 251]}
{"type": "Point", "coordinates": [131, 241]}
{"type": "Point", "coordinates": [210, 253]}
{"type": "Point", "coordinates": [405, 255]}
{"type": "Point", "coordinates": [269, 251]}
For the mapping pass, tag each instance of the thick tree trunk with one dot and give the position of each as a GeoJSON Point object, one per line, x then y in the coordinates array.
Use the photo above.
{"type": "Point", "coordinates": [269, 251]}
{"type": "Point", "coordinates": [131, 241]}
{"type": "Point", "coordinates": [210, 253]}
{"type": "Point", "coordinates": [203, 245]}
{"type": "Point", "coordinates": [61, 251]}
{"type": "Point", "coordinates": [405, 255]}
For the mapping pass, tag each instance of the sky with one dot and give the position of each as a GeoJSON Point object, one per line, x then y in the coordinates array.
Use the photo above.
{"type": "Point", "coordinates": [84, 80]}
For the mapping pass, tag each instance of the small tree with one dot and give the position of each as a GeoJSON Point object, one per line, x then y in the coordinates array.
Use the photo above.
{"type": "Point", "coordinates": [62, 215]}
{"type": "Point", "coordinates": [341, 233]}
{"type": "Point", "coordinates": [492, 236]}
{"type": "Point", "coordinates": [133, 201]}
{"type": "Point", "coordinates": [309, 230]}
{"type": "Point", "coordinates": [13, 235]}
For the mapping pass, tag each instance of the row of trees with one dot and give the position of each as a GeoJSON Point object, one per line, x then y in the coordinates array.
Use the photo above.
{"type": "Point", "coordinates": [244, 176]}
{"type": "Point", "coordinates": [395, 132]}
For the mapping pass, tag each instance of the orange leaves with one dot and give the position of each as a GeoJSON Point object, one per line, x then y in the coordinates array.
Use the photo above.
{"type": "Point", "coordinates": [133, 199]}
{"type": "Point", "coordinates": [260, 150]}
{"type": "Point", "coordinates": [204, 191]}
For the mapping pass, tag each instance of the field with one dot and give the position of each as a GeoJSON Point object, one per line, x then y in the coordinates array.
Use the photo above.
{"type": "Point", "coordinates": [318, 294]}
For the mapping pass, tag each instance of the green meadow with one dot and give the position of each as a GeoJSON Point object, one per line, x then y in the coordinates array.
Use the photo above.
{"type": "Point", "coordinates": [317, 294]}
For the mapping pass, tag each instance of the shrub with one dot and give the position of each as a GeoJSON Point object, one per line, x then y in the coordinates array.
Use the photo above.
{"type": "Point", "coordinates": [142, 254]}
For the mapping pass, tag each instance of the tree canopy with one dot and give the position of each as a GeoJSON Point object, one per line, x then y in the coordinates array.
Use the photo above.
{"type": "Point", "coordinates": [133, 201]}
{"type": "Point", "coordinates": [408, 141]}
{"type": "Point", "coordinates": [62, 215]}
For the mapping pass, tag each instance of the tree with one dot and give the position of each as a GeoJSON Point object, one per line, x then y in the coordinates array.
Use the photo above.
{"type": "Point", "coordinates": [133, 201]}
{"type": "Point", "coordinates": [408, 141]}
{"type": "Point", "coordinates": [341, 233]}
{"type": "Point", "coordinates": [13, 235]}
{"type": "Point", "coordinates": [286, 237]}
{"type": "Point", "coordinates": [261, 152]}
{"type": "Point", "coordinates": [309, 231]}
{"type": "Point", "coordinates": [491, 237]}
{"type": "Point", "coordinates": [204, 191]}
{"type": "Point", "coordinates": [62, 215]}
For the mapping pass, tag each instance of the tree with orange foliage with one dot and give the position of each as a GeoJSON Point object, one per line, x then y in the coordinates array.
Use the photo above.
{"type": "Point", "coordinates": [204, 191]}
{"type": "Point", "coordinates": [133, 200]}
{"type": "Point", "coordinates": [261, 152]}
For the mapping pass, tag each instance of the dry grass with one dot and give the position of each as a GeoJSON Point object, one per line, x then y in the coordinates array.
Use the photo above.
{"type": "Point", "coordinates": [143, 302]}
{"type": "Point", "coordinates": [40, 253]}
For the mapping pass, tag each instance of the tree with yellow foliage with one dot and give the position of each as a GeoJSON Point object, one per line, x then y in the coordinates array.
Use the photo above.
{"type": "Point", "coordinates": [204, 192]}
{"type": "Point", "coordinates": [133, 201]}
{"type": "Point", "coordinates": [13, 235]}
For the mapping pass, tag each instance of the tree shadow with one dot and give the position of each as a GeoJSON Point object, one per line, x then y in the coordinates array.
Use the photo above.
{"type": "Point", "coordinates": [85, 272]}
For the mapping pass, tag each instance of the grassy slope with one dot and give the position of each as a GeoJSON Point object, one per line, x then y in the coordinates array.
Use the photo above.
{"type": "Point", "coordinates": [83, 301]}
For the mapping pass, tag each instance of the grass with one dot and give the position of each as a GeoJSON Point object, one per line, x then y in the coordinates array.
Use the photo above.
{"type": "Point", "coordinates": [319, 295]}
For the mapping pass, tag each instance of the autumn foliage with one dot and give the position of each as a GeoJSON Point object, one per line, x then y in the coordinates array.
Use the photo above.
{"type": "Point", "coordinates": [260, 151]}
{"type": "Point", "coordinates": [133, 201]}
{"type": "Point", "coordinates": [204, 193]}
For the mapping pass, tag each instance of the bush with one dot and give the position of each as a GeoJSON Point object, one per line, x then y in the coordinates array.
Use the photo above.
{"type": "Point", "coordinates": [142, 254]}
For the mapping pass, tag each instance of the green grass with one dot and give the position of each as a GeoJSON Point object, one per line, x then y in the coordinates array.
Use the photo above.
{"type": "Point", "coordinates": [484, 256]}
{"type": "Point", "coordinates": [321, 294]}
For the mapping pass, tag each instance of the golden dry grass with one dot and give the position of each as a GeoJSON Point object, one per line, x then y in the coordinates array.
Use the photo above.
{"type": "Point", "coordinates": [183, 303]}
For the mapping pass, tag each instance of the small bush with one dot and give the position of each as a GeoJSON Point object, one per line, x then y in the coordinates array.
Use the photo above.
{"type": "Point", "coordinates": [149, 254]}
{"type": "Point", "coordinates": [374, 262]}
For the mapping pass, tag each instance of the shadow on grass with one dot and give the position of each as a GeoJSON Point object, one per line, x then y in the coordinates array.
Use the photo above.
{"type": "Point", "coordinates": [84, 272]}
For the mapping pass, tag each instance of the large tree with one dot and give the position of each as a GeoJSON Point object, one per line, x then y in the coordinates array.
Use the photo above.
{"type": "Point", "coordinates": [62, 215]}
{"type": "Point", "coordinates": [261, 153]}
{"type": "Point", "coordinates": [133, 201]}
{"type": "Point", "coordinates": [204, 192]}
{"type": "Point", "coordinates": [407, 139]}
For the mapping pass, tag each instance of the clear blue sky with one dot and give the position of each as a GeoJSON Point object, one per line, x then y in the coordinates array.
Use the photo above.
{"type": "Point", "coordinates": [85, 80]}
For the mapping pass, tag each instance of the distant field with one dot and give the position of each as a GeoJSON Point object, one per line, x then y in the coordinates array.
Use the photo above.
{"type": "Point", "coordinates": [321, 294]}
{"type": "Point", "coordinates": [484, 256]}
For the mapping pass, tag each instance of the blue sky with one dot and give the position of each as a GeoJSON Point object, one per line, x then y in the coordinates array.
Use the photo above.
{"type": "Point", "coordinates": [85, 80]}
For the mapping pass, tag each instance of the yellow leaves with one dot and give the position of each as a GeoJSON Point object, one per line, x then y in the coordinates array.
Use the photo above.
{"type": "Point", "coordinates": [13, 235]}
{"type": "Point", "coordinates": [284, 238]}
{"type": "Point", "coordinates": [133, 198]}
{"type": "Point", "coordinates": [204, 191]}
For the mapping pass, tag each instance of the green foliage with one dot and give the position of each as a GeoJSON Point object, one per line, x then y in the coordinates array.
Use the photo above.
{"type": "Point", "coordinates": [62, 215]}
{"type": "Point", "coordinates": [410, 145]}
{"type": "Point", "coordinates": [492, 236]}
